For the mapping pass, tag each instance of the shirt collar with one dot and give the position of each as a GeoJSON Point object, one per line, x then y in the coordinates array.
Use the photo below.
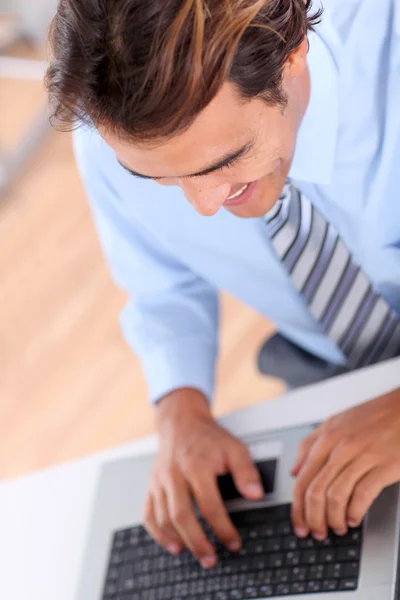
{"type": "Point", "coordinates": [314, 156]}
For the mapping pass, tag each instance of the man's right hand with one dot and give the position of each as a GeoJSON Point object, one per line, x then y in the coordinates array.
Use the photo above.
{"type": "Point", "coordinates": [194, 451]}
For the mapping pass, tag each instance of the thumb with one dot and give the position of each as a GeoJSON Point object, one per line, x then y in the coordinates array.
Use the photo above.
{"type": "Point", "coordinates": [244, 472]}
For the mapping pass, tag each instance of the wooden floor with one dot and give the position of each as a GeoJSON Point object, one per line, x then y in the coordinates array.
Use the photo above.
{"type": "Point", "coordinates": [69, 385]}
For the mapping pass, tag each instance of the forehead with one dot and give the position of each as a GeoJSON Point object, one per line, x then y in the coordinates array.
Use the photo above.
{"type": "Point", "coordinates": [226, 124]}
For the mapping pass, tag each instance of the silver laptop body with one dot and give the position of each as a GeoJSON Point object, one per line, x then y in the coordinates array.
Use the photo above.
{"type": "Point", "coordinates": [119, 504]}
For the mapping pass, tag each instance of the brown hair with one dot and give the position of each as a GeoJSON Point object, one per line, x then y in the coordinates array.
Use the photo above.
{"type": "Point", "coordinates": [146, 68]}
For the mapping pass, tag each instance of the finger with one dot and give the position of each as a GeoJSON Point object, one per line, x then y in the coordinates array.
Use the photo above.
{"type": "Point", "coordinates": [163, 521]}
{"type": "Point", "coordinates": [183, 517]}
{"type": "Point", "coordinates": [340, 492]}
{"type": "Point", "coordinates": [212, 508]}
{"type": "Point", "coordinates": [154, 530]}
{"type": "Point", "coordinates": [316, 495]}
{"type": "Point", "coordinates": [368, 489]}
{"type": "Point", "coordinates": [316, 459]}
{"type": "Point", "coordinates": [303, 452]}
{"type": "Point", "coordinates": [244, 472]}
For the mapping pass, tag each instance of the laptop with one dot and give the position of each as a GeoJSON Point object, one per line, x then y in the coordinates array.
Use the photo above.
{"type": "Point", "coordinates": [123, 563]}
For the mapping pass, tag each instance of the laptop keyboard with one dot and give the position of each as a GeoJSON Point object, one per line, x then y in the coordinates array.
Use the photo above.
{"type": "Point", "coordinates": [272, 562]}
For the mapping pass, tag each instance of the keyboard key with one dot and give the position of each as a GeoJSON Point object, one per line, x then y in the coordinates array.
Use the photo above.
{"type": "Point", "coordinates": [298, 587]}
{"type": "Point", "coordinates": [243, 551]}
{"type": "Point", "coordinates": [282, 589]}
{"type": "Point", "coordinates": [292, 559]}
{"type": "Point", "coordinates": [327, 555]}
{"type": "Point", "coordinates": [119, 543]}
{"type": "Point", "coordinates": [284, 529]}
{"type": "Point", "coordinates": [265, 591]}
{"type": "Point", "coordinates": [348, 554]}
{"type": "Point", "coordinates": [355, 535]}
{"type": "Point", "coordinates": [257, 547]}
{"type": "Point", "coordinates": [317, 572]}
{"type": "Point", "coordinates": [353, 538]}
{"type": "Point", "coordinates": [237, 595]}
{"type": "Point", "coordinates": [251, 580]}
{"type": "Point", "coordinates": [226, 569]}
{"type": "Point", "coordinates": [260, 563]}
{"type": "Point", "coordinates": [329, 585]}
{"type": "Point", "coordinates": [273, 545]}
{"type": "Point", "coordinates": [326, 543]}
{"type": "Point", "coordinates": [196, 587]}
{"type": "Point", "coordinates": [267, 531]}
{"type": "Point", "coordinates": [129, 584]}
{"type": "Point", "coordinates": [276, 561]}
{"type": "Point", "coordinates": [244, 565]}
{"type": "Point", "coordinates": [117, 558]}
{"type": "Point", "coordinates": [112, 574]}
{"type": "Point", "coordinates": [110, 589]}
{"type": "Point", "coordinates": [252, 534]}
{"type": "Point", "coordinates": [307, 543]}
{"type": "Point", "coordinates": [309, 557]}
{"type": "Point", "coordinates": [351, 569]}
{"type": "Point", "coordinates": [335, 571]}
{"type": "Point", "coordinates": [251, 592]}
{"type": "Point", "coordinates": [290, 543]}
{"type": "Point", "coordinates": [264, 577]}
{"type": "Point", "coordinates": [281, 576]}
{"type": "Point", "coordinates": [298, 574]}
{"type": "Point", "coordinates": [348, 584]}
{"type": "Point", "coordinates": [313, 586]}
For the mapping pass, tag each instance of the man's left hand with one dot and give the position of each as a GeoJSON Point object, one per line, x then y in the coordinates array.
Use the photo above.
{"type": "Point", "coordinates": [344, 465]}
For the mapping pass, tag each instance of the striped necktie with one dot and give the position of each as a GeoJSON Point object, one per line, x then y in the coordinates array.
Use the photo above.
{"type": "Point", "coordinates": [338, 293]}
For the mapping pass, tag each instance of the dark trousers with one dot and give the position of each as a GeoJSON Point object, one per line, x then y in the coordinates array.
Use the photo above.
{"type": "Point", "coordinates": [282, 359]}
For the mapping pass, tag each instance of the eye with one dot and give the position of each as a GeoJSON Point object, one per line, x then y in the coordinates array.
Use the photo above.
{"type": "Point", "coordinates": [227, 165]}
{"type": "Point", "coordinates": [231, 163]}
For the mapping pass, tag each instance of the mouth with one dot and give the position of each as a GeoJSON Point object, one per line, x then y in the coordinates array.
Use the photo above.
{"type": "Point", "coordinates": [242, 195]}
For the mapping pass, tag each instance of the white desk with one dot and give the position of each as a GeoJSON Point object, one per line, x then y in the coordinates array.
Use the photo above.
{"type": "Point", "coordinates": [44, 517]}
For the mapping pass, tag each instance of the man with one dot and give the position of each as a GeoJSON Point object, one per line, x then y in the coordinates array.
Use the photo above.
{"type": "Point", "coordinates": [193, 116]}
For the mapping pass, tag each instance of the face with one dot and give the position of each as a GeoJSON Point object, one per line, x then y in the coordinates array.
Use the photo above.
{"type": "Point", "coordinates": [236, 155]}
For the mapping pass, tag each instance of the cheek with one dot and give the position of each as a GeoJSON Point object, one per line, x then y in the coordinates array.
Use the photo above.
{"type": "Point", "coordinates": [260, 167]}
{"type": "Point", "coordinates": [272, 185]}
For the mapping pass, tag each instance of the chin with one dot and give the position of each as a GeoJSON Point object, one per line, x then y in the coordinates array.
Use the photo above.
{"type": "Point", "coordinates": [249, 212]}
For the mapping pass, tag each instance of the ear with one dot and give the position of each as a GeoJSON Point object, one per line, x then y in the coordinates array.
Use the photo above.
{"type": "Point", "coordinates": [297, 61]}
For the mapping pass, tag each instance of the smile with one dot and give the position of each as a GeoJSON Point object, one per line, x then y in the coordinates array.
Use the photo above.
{"type": "Point", "coordinates": [239, 192]}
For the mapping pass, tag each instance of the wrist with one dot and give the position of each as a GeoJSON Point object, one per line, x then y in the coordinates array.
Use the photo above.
{"type": "Point", "coordinates": [185, 403]}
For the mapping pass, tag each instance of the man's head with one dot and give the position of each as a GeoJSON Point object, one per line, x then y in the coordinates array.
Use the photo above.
{"type": "Point", "coordinates": [207, 95]}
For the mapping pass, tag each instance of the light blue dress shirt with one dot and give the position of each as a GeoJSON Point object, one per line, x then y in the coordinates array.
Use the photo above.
{"type": "Point", "coordinates": [173, 261]}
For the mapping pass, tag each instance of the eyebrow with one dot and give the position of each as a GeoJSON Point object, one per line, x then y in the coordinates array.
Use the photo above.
{"type": "Point", "coordinates": [223, 162]}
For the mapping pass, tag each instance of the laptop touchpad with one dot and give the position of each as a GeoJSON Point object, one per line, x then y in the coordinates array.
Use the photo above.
{"type": "Point", "coordinates": [267, 470]}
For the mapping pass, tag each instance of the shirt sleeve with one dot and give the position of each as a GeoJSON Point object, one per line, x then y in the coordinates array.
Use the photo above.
{"type": "Point", "coordinates": [172, 315]}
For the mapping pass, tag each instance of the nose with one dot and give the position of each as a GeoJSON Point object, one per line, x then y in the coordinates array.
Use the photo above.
{"type": "Point", "coordinates": [205, 199]}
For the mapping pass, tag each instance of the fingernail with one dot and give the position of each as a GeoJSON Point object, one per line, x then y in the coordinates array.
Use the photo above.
{"type": "Point", "coordinates": [234, 546]}
{"type": "Point", "coordinates": [207, 562]}
{"type": "Point", "coordinates": [320, 537]}
{"type": "Point", "coordinates": [340, 532]}
{"type": "Point", "coordinates": [173, 548]}
{"type": "Point", "coordinates": [352, 524]}
{"type": "Point", "coordinates": [255, 490]}
{"type": "Point", "coordinates": [301, 532]}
